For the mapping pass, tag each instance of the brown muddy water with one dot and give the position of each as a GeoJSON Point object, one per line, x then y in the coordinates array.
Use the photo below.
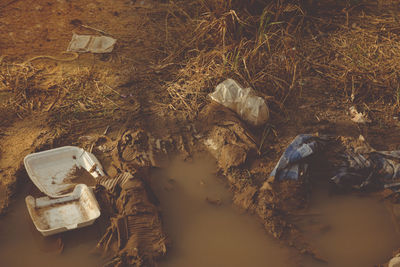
{"type": "Point", "coordinates": [350, 230]}
{"type": "Point", "coordinates": [205, 229]}
{"type": "Point", "coordinates": [22, 245]}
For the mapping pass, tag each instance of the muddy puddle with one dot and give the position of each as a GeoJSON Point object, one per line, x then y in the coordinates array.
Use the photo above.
{"type": "Point", "coordinates": [349, 229]}
{"type": "Point", "coordinates": [205, 229]}
{"type": "Point", "coordinates": [22, 245]}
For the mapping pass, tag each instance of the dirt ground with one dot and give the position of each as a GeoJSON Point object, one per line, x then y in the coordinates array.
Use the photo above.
{"type": "Point", "coordinates": [147, 100]}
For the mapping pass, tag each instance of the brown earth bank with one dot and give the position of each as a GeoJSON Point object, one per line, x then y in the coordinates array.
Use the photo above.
{"type": "Point", "coordinates": [145, 102]}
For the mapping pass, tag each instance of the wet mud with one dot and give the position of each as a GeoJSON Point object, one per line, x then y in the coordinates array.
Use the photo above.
{"type": "Point", "coordinates": [197, 213]}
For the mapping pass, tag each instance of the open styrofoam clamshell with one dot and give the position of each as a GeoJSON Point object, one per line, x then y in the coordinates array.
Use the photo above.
{"type": "Point", "coordinates": [52, 216]}
{"type": "Point", "coordinates": [51, 170]}
{"type": "Point", "coordinates": [63, 174]}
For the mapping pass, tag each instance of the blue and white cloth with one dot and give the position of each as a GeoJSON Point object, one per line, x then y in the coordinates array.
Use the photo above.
{"type": "Point", "coordinates": [293, 163]}
{"type": "Point", "coordinates": [380, 169]}
{"type": "Point", "coordinates": [361, 170]}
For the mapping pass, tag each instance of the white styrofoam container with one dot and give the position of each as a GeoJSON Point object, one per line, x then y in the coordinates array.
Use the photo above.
{"type": "Point", "coordinates": [53, 216]}
{"type": "Point", "coordinates": [48, 169]}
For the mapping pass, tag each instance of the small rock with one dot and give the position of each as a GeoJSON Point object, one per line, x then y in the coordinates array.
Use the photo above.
{"type": "Point", "coordinates": [232, 156]}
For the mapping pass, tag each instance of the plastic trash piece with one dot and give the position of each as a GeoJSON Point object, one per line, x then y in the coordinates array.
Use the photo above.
{"type": "Point", "coordinates": [53, 216]}
{"type": "Point", "coordinates": [49, 170]}
{"type": "Point", "coordinates": [90, 43]}
{"type": "Point", "coordinates": [244, 102]}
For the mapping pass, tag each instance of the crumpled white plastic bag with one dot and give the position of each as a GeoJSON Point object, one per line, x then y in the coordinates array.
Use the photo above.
{"type": "Point", "coordinates": [244, 102]}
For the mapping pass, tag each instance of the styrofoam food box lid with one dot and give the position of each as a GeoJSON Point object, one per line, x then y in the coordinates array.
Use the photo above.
{"type": "Point", "coordinates": [49, 169]}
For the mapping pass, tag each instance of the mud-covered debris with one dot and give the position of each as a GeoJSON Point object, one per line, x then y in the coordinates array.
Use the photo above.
{"type": "Point", "coordinates": [139, 149]}
{"type": "Point", "coordinates": [226, 137]}
{"type": "Point", "coordinates": [354, 163]}
{"type": "Point", "coordinates": [135, 235]}
{"type": "Point", "coordinates": [379, 169]}
{"type": "Point", "coordinates": [395, 261]}
{"type": "Point", "coordinates": [111, 183]}
{"type": "Point", "coordinates": [244, 102]}
{"type": "Point", "coordinates": [232, 156]}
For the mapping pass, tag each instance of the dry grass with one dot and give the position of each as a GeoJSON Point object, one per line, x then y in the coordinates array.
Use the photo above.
{"type": "Point", "coordinates": [85, 95]}
{"type": "Point", "coordinates": [268, 45]}
{"type": "Point", "coordinates": [28, 87]}
{"type": "Point", "coordinates": [67, 96]}
{"type": "Point", "coordinates": [226, 39]}
{"type": "Point", "coordinates": [271, 46]}
{"type": "Point", "coordinates": [361, 56]}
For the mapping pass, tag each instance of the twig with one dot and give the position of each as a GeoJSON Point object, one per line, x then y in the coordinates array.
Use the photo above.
{"type": "Point", "coordinates": [265, 134]}
{"type": "Point", "coordinates": [54, 102]}
{"type": "Point", "coordinates": [106, 130]}
{"type": "Point", "coordinates": [94, 29]}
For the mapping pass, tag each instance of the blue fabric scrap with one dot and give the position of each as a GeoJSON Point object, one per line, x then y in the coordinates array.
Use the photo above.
{"type": "Point", "coordinates": [354, 169]}
{"type": "Point", "coordinates": [377, 168]}
{"type": "Point", "coordinates": [292, 164]}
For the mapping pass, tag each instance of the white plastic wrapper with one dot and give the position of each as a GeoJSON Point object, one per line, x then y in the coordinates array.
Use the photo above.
{"type": "Point", "coordinates": [244, 102]}
{"type": "Point", "coordinates": [90, 43]}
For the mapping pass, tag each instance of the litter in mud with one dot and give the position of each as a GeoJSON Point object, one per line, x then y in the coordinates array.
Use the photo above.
{"type": "Point", "coordinates": [90, 43]}
{"type": "Point", "coordinates": [362, 167]}
{"type": "Point", "coordinates": [133, 233]}
{"type": "Point", "coordinates": [53, 216]}
{"type": "Point", "coordinates": [292, 165]}
{"type": "Point", "coordinates": [54, 171]}
{"type": "Point", "coordinates": [354, 164]}
{"type": "Point", "coordinates": [244, 102]}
